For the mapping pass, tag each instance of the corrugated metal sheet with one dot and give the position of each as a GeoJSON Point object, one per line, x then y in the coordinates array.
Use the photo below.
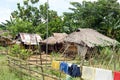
{"type": "Point", "coordinates": [30, 39]}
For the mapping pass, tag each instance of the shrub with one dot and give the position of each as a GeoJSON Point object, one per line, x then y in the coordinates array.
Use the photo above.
{"type": "Point", "coordinates": [16, 51]}
{"type": "Point", "coordinates": [24, 54]}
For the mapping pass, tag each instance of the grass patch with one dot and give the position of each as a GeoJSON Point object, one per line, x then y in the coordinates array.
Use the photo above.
{"type": "Point", "coordinates": [5, 73]}
{"type": "Point", "coordinates": [2, 48]}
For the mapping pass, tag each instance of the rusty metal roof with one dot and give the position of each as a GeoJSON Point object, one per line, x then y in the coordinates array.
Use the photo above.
{"type": "Point", "coordinates": [30, 39]}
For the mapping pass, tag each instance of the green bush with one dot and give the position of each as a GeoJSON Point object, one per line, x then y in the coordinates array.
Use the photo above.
{"type": "Point", "coordinates": [16, 51]}
{"type": "Point", "coordinates": [2, 48]}
{"type": "Point", "coordinates": [24, 54]}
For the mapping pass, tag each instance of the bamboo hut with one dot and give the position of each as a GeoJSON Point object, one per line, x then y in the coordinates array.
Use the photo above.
{"type": "Point", "coordinates": [85, 41]}
{"type": "Point", "coordinates": [55, 42]}
{"type": "Point", "coordinates": [5, 38]}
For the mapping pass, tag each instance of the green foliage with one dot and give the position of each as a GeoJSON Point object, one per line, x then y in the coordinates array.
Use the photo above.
{"type": "Point", "coordinates": [5, 73]}
{"type": "Point", "coordinates": [16, 51]}
{"type": "Point", "coordinates": [5, 34]}
{"type": "Point", "coordinates": [20, 26]}
{"type": "Point", "coordinates": [24, 54]}
{"type": "Point", "coordinates": [2, 27]}
{"type": "Point", "coordinates": [55, 55]}
{"type": "Point", "coordinates": [30, 18]}
{"type": "Point", "coordinates": [102, 15]}
{"type": "Point", "coordinates": [53, 72]}
{"type": "Point", "coordinates": [106, 51]}
{"type": "Point", "coordinates": [2, 48]}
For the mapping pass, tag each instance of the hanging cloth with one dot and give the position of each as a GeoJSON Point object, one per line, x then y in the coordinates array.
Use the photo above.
{"type": "Point", "coordinates": [88, 73]}
{"type": "Point", "coordinates": [74, 71]}
{"type": "Point", "coordinates": [56, 65]}
{"type": "Point", "coordinates": [102, 74]}
{"type": "Point", "coordinates": [116, 75]}
{"type": "Point", "coordinates": [64, 67]}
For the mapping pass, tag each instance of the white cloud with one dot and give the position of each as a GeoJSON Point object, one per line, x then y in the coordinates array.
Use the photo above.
{"type": "Point", "coordinates": [61, 5]}
{"type": "Point", "coordinates": [5, 14]}
{"type": "Point", "coordinates": [7, 6]}
{"type": "Point", "coordinates": [14, 1]}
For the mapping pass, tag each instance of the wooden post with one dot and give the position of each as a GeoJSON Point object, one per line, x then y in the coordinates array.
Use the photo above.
{"type": "Point", "coordinates": [36, 57]}
{"type": "Point", "coordinates": [83, 53]}
{"type": "Point", "coordinates": [41, 61]}
{"type": "Point", "coordinates": [114, 57]}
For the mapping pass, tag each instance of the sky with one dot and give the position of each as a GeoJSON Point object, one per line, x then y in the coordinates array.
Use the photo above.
{"type": "Point", "coordinates": [8, 6]}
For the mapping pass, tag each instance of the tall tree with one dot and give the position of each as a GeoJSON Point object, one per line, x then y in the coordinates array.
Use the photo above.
{"type": "Point", "coordinates": [20, 26]}
{"type": "Point", "coordinates": [38, 17]}
{"type": "Point", "coordinates": [28, 12]}
{"type": "Point", "coordinates": [102, 15]}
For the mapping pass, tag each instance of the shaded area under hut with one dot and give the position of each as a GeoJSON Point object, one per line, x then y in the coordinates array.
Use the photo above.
{"type": "Point", "coordinates": [55, 42]}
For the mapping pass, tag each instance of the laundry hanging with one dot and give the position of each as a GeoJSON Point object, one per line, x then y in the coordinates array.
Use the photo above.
{"type": "Point", "coordinates": [102, 74]}
{"type": "Point", "coordinates": [74, 71]}
{"type": "Point", "coordinates": [88, 73]}
{"type": "Point", "coordinates": [64, 67]}
{"type": "Point", "coordinates": [56, 65]}
{"type": "Point", "coordinates": [116, 75]}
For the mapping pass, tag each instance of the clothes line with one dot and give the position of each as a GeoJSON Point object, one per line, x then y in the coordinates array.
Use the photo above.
{"type": "Point", "coordinates": [71, 69]}
{"type": "Point", "coordinates": [86, 73]}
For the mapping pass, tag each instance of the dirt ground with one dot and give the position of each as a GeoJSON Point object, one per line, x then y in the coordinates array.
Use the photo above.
{"type": "Point", "coordinates": [46, 59]}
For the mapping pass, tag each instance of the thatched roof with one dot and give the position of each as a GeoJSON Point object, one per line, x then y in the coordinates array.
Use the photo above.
{"type": "Point", "coordinates": [90, 38]}
{"type": "Point", "coordinates": [5, 35]}
{"type": "Point", "coordinates": [3, 31]}
{"type": "Point", "coordinates": [56, 38]}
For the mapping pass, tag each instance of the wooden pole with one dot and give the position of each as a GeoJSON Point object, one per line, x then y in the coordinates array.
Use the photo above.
{"type": "Point", "coordinates": [114, 57]}
{"type": "Point", "coordinates": [41, 60]}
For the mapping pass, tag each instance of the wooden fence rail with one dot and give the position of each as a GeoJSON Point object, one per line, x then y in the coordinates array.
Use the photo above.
{"type": "Point", "coordinates": [27, 69]}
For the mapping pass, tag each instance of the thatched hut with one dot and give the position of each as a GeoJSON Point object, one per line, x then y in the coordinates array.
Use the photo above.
{"type": "Point", "coordinates": [5, 38]}
{"type": "Point", "coordinates": [83, 41]}
{"type": "Point", "coordinates": [28, 41]}
{"type": "Point", "coordinates": [55, 42]}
